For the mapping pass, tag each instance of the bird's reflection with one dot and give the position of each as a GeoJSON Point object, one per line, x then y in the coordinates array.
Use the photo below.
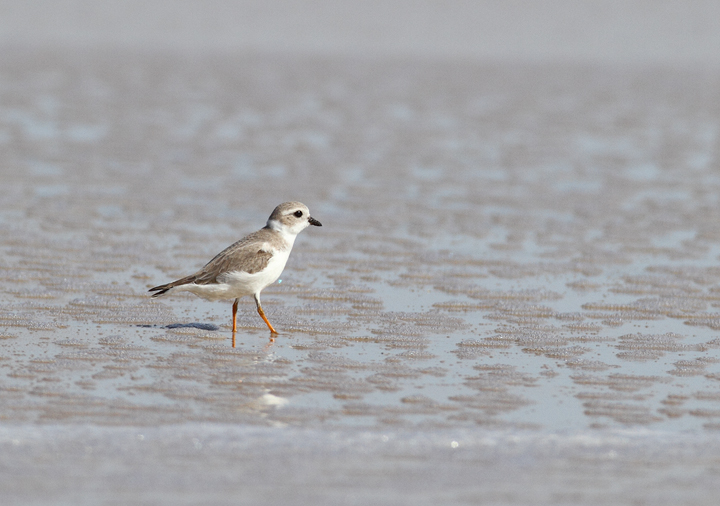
{"type": "Point", "coordinates": [271, 341]}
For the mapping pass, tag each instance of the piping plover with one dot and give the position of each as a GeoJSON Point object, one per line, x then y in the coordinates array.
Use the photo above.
{"type": "Point", "coordinates": [250, 264]}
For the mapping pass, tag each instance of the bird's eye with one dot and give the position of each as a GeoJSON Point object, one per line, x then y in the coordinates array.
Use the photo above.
{"type": "Point", "coordinates": [298, 214]}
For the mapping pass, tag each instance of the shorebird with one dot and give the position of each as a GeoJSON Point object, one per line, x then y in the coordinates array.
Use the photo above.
{"type": "Point", "coordinates": [249, 265]}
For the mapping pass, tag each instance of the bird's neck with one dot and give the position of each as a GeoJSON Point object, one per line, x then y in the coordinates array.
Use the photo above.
{"type": "Point", "coordinates": [287, 236]}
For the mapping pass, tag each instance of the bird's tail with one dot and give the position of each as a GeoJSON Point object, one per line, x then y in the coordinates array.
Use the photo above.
{"type": "Point", "coordinates": [160, 290]}
{"type": "Point", "coordinates": [163, 289]}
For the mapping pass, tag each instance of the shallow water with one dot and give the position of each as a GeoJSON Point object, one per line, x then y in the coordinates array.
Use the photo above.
{"type": "Point", "coordinates": [515, 248]}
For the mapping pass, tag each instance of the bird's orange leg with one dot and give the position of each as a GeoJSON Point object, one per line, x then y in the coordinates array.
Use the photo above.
{"type": "Point", "coordinates": [235, 306]}
{"type": "Point", "coordinates": [262, 315]}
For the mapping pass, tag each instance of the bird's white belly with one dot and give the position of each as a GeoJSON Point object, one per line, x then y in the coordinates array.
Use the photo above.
{"type": "Point", "coordinates": [235, 284]}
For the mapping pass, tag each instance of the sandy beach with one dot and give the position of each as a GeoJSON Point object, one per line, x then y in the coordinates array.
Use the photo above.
{"type": "Point", "coordinates": [513, 298]}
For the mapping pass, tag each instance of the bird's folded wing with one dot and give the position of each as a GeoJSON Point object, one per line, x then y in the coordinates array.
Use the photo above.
{"type": "Point", "coordinates": [250, 260]}
{"type": "Point", "coordinates": [250, 254]}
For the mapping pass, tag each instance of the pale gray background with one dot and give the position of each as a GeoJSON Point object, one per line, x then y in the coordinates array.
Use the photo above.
{"type": "Point", "coordinates": [614, 30]}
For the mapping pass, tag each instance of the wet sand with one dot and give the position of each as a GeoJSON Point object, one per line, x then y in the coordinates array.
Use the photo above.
{"type": "Point", "coordinates": [520, 259]}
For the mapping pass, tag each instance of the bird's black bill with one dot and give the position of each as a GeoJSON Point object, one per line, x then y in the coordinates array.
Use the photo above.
{"type": "Point", "coordinates": [315, 222]}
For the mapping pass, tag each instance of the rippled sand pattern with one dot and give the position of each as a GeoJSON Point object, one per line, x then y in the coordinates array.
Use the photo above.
{"type": "Point", "coordinates": [506, 246]}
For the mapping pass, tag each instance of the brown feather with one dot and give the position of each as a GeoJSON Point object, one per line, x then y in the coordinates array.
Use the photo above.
{"type": "Point", "coordinates": [242, 255]}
